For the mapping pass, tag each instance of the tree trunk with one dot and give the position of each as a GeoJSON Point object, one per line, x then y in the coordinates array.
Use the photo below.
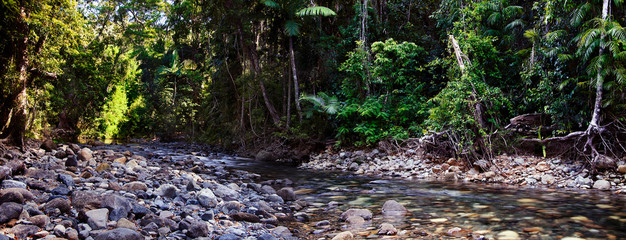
{"type": "Point", "coordinates": [17, 126]}
{"type": "Point", "coordinates": [296, 87]}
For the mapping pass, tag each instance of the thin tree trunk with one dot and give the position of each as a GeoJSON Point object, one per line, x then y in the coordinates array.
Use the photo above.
{"type": "Point", "coordinates": [595, 117]}
{"type": "Point", "coordinates": [288, 102]}
{"type": "Point", "coordinates": [296, 87]}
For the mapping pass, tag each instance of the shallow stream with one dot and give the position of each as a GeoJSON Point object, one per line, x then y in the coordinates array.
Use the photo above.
{"type": "Point", "coordinates": [437, 209]}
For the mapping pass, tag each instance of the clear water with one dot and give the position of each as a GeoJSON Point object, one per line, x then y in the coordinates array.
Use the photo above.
{"type": "Point", "coordinates": [436, 207]}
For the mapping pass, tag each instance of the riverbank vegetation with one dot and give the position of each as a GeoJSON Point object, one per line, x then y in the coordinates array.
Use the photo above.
{"type": "Point", "coordinates": [445, 74]}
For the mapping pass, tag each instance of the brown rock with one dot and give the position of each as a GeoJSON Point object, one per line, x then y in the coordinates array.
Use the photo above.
{"type": "Point", "coordinates": [542, 167]}
{"type": "Point", "coordinates": [48, 145]}
{"type": "Point", "coordinates": [344, 236]}
{"type": "Point", "coordinates": [135, 186]}
{"type": "Point", "coordinates": [121, 160]}
{"type": "Point", "coordinates": [247, 217]}
{"type": "Point", "coordinates": [621, 169]}
{"type": "Point", "coordinates": [62, 204]}
{"type": "Point", "coordinates": [39, 220]}
{"type": "Point", "coordinates": [387, 229]}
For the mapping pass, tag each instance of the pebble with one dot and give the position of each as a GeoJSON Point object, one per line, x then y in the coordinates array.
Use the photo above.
{"type": "Point", "coordinates": [344, 236]}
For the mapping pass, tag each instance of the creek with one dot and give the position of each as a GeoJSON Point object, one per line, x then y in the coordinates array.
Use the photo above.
{"type": "Point", "coordinates": [436, 209]}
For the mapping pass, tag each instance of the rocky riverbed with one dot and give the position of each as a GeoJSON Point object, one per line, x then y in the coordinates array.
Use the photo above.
{"type": "Point", "coordinates": [134, 192]}
{"type": "Point", "coordinates": [526, 171]}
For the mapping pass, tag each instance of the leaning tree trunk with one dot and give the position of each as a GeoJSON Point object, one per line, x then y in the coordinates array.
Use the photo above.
{"type": "Point", "coordinates": [594, 125]}
{"type": "Point", "coordinates": [296, 87]}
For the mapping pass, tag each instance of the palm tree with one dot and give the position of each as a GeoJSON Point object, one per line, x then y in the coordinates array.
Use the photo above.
{"type": "Point", "coordinates": [292, 9]}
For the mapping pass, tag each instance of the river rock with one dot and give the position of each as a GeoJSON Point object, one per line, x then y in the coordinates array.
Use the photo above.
{"type": "Point", "coordinates": [507, 235]}
{"type": "Point", "coordinates": [9, 210]}
{"type": "Point", "coordinates": [125, 223]}
{"type": "Point", "coordinates": [119, 234]}
{"type": "Point", "coordinates": [602, 185]}
{"type": "Point", "coordinates": [119, 206]}
{"type": "Point", "coordinates": [96, 143]}
{"type": "Point", "coordinates": [207, 198]}
{"type": "Point", "coordinates": [48, 145]}
{"type": "Point", "coordinates": [71, 162]}
{"type": "Point", "coordinates": [59, 230]}
{"type": "Point", "coordinates": [355, 221]}
{"type": "Point", "coordinates": [387, 229]}
{"type": "Point", "coordinates": [266, 236]}
{"type": "Point", "coordinates": [281, 232]}
{"type": "Point", "coordinates": [84, 154]}
{"type": "Point", "coordinates": [268, 189]}
{"type": "Point", "coordinates": [198, 229]}
{"type": "Point", "coordinates": [39, 220]}
{"type": "Point", "coordinates": [135, 186]}
{"type": "Point", "coordinates": [13, 184]}
{"type": "Point", "coordinates": [85, 201]}
{"type": "Point", "coordinates": [61, 154]}
{"type": "Point", "coordinates": [391, 207]}
{"type": "Point", "coordinates": [97, 218]}
{"type": "Point", "coordinates": [225, 192]}
{"type": "Point", "coordinates": [287, 194]}
{"type": "Point", "coordinates": [66, 179]}
{"type": "Point", "coordinates": [364, 213]}
{"type": "Point", "coordinates": [621, 169]}
{"type": "Point", "coordinates": [4, 172]}
{"type": "Point", "coordinates": [18, 195]}
{"type": "Point", "coordinates": [542, 167]}
{"type": "Point", "coordinates": [247, 217]}
{"type": "Point", "coordinates": [344, 236]}
{"type": "Point", "coordinates": [547, 179]}
{"type": "Point", "coordinates": [167, 190]}
{"type": "Point", "coordinates": [22, 231]}
{"type": "Point", "coordinates": [58, 203]}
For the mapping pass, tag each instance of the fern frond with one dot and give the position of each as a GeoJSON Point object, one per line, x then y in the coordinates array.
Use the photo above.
{"type": "Point", "coordinates": [292, 28]}
{"type": "Point", "coordinates": [316, 11]}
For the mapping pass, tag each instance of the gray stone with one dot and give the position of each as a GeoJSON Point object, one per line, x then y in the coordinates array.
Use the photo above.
{"type": "Point", "coordinates": [58, 203]}
{"type": "Point", "coordinates": [17, 195]}
{"type": "Point", "coordinates": [39, 220]}
{"type": "Point", "coordinates": [391, 207]}
{"type": "Point", "coordinates": [23, 231]}
{"type": "Point", "coordinates": [97, 218]}
{"type": "Point", "coordinates": [275, 199]}
{"type": "Point", "coordinates": [580, 181]}
{"type": "Point", "coordinates": [287, 194]}
{"type": "Point", "coordinates": [13, 184]}
{"type": "Point", "coordinates": [547, 179]}
{"type": "Point", "coordinates": [118, 206]}
{"type": "Point", "coordinates": [4, 172]}
{"type": "Point", "coordinates": [364, 213]}
{"type": "Point", "coordinates": [281, 232]}
{"type": "Point", "coordinates": [225, 192]}
{"type": "Point", "coordinates": [198, 229]}
{"type": "Point", "coordinates": [268, 189]}
{"type": "Point", "coordinates": [60, 154]}
{"type": "Point", "coordinates": [66, 179]}
{"type": "Point", "coordinates": [207, 198]}
{"type": "Point", "coordinates": [344, 236]}
{"type": "Point", "coordinates": [266, 236]}
{"type": "Point", "coordinates": [167, 190]}
{"type": "Point", "coordinates": [84, 154]}
{"type": "Point", "coordinates": [229, 236]}
{"type": "Point", "coordinates": [119, 234]}
{"type": "Point", "coordinates": [135, 186]}
{"type": "Point", "coordinates": [83, 230]}
{"type": "Point", "coordinates": [387, 229]}
{"type": "Point", "coordinates": [71, 161]}
{"type": "Point", "coordinates": [84, 201]}
{"type": "Point", "coordinates": [602, 185]}
{"type": "Point", "coordinates": [9, 210]}
{"type": "Point", "coordinates": [59, 230]}
{"type": "Point", "coordinates": [61, 190]}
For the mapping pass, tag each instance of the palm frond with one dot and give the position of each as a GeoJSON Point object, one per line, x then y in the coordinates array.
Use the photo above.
{"type": "Point", "coordinates": [494, 18]}
{"type": "Point", "coordinates": [513, 11]}
{"type": "Point", "coordinates": [271, 4]}
{"type": "Point", "coordinates": [579, 14]}
{"type": "Point", "coordinates": [316, 11]}
{"type": "Point", "coordinates": [514, 24]}
{"type": "Point", "coordinates": [292, 28]}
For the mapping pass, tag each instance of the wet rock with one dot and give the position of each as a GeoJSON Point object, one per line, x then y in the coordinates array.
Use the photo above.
{"type": "Point", "coordinates": [355, 221]}
{"type": "Point", "coordinates": [13, 184]}
{"type": "Point", "coordinates": [97, 218]}
{"type": "Point", "coordinates": [118, 206]}
{"type": "Point", "coordinates": [458, 232]}
{"type": "Point", "coordinates": [364, 213]}
{"type": "Point", "coordinates": [58, 203]}
{"type": "Point", "coordinates": [264, 155]}
{"type": "Point", "coordinates": [84, 201]}
{"type": "Point", "coordinates": [344, 236]}
{"type": "Point", "coordinates": [119, 234]}
{"type": "Point", "coordinates": [9, 210]}
{"type": "Point", "coordinates": [23, 231]}
{"type": "Point", "coordinates": [84, 154]}
{"type": "Point", "coordinates": [507, 235]}
{"type": "Point", "coordinates": [602, 185]}
{"type": "Point", "coordinates": [135, 186]}
{"type": "Point", "coordinates": [286, 194]}
{"type": "Point", "coordinates": [198, 229]}
{"type": "Point", "coordinates": [391, 207]}
{"type": "Point", "coordinates": [39, 220]}
{"type": "Point", "coordinates": [167, 190]}
{"type": "Point", "coordinates": [48, 145]}
{"type": "Point", "coordinates": [387, 229]}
